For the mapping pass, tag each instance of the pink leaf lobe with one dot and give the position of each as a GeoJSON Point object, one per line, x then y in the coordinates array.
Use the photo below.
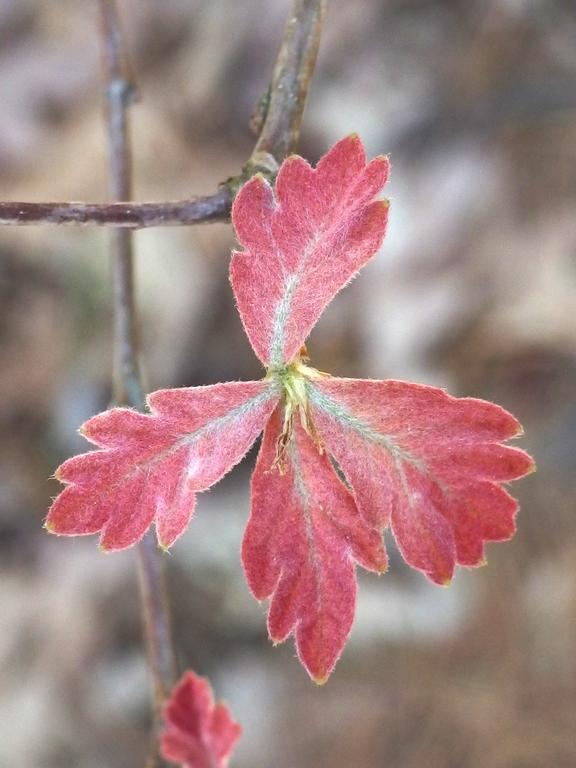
{"type": "Point", "coordinates": [301, 543]}
{"type": "Point", "coordinates": [303, 242]}
{"type": "Point", "coordinates": [150, 466]}
{"type": "Point", "coordinates": [428, 464]}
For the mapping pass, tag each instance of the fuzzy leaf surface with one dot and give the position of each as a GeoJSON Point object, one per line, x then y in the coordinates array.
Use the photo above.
{"type": "Point", "coordinates": [303, 241]}
{"type": "Point", "coordinates": [151, 465]}
{"type": "Point", "coordinates": [428, 464]}
{"type": "Point", "coordinates": [197, 732]}
{"type": "Point", "coordinates": [301, 544]}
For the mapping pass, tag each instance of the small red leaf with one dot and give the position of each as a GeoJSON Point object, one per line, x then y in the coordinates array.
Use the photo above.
{"type": "Point", "coordinates": [302, 539]}
{"type": "Point", "coordinates": [151, 465]}
{"type": "Point", "coordinates": [428, 463]}
{"type": "Point", "coordinates": [197, 733]}
{"type": "Point", "coordinates": [303, 242]}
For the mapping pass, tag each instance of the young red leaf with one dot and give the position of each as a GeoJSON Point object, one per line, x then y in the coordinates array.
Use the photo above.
{"type": "Point", "coordinates": [197, 733]}
{"type": "Point", "coordinates": [302, 540]}
{"type": "Point", "coordinates": [429, 465]}
{"type": "Point", "coordinates": [151, 465]}
{"type": "Point", "coordinates": [425, 462]}
{"type": "Point", "coordinates": [303, 242]}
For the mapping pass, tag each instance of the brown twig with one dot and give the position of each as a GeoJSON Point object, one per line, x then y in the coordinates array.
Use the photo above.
{"type": "Point", "coordinates": [290, 82]}
{"type": "Point", "coordinates": [127, 379]}
{"type": "Point", "coordinates": [196, 210]}
{"type": "Point", "coordinates": [281, 120]}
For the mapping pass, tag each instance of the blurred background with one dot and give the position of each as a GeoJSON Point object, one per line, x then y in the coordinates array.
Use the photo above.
{"type": "Point", "coordinates": [474, 290]}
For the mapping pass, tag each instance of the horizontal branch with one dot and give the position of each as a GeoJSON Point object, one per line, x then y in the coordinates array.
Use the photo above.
{"type": "Point", "coordinates": [195, 210]}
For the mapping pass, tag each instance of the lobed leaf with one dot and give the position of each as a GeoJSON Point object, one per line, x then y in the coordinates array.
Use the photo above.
{"type": "Point", "coordinates": [303, 242]}
{"type": "Point", "coordinates": [428, 464]}
{"type": "Point", "coordinates": [150, 466]}
{"type": "Point", "coordinates": [302, 540]}
{"type": "Point", "coordinates": [197, 733]}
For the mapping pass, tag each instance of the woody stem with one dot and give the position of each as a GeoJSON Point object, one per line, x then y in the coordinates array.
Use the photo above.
{"type": "Point", "coordinates": [127, 381]}
{"type": "Point", "coordinates": [278, 129]}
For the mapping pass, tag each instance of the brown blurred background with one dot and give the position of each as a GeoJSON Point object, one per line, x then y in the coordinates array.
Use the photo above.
{"type": "Point", "coordinates": [475, 290]}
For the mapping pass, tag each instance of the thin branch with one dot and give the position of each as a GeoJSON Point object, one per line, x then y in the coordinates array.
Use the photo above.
{"type": "Point", "coordinates": [280, 127]}
{"type": "Point", "coordinates": [196, 210]}
{"type": "Point", "coordinates": [290, 82]}
{"type": "Point", "coordinates": [127, 379]}
{"type": "Point", "coordinates": [158, 632]}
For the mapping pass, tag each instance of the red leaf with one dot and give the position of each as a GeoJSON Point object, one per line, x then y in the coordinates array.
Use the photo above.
{"type": "Point", "coordinates": [197, 733]}
{"type": "Point", "coordinates": [152, 464]}
{"type": "Point", "coordinates": [302, 540]}
{"type": "Point", "coordinates": [428, 463]}
{"type": "Point", "coordinates": [303, 242]}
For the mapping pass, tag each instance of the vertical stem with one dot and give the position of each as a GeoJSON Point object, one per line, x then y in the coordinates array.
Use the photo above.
{"type": "Point", "coordinates": [119, 93]}
{"type": "Point", "coordinates": [291, 80]}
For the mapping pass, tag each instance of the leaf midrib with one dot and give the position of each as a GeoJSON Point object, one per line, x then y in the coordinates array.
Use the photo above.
{"type": "Point", "coordinates": [190, 438]}
{"type": "Point", "coordinates": [293, 279]}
